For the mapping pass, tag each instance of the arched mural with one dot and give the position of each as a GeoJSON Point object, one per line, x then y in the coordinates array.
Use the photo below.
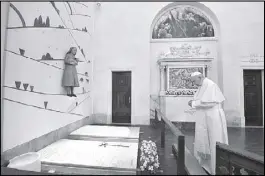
{"type": "Point", "coordinates": [182, 22]}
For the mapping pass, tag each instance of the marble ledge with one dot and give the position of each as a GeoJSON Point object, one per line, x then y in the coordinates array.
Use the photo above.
{"type": "Point", "coordinates": [163, 61]}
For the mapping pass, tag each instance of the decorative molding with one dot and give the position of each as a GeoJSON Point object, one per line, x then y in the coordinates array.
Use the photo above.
{"type": "Point", "coordinates": [184, 61]}
{"type": "Point", "coordinates": [178, 70]}
{"type": "Point", "coordinates": [181, 92]}
{"type": "Point", "coordinates": [185, 51]}
{"type": "Point", "coordinates": [253, 58]}
{"type": "Point", "coordinates": [208, 67]}
{"type": "Point", "coordinates": [252, 61]}
{"type": "Point", "coordinates": [198, 39]}
{"type": "Point", "coordinates": [162, 67]}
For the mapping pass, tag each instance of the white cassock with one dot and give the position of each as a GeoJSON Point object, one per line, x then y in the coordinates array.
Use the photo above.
{"type": "Point", "coordinates": [210, 124]}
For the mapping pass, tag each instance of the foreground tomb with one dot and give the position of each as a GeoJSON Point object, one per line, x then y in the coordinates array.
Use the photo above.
{"type": "Point", "coordinates": [111, 150]}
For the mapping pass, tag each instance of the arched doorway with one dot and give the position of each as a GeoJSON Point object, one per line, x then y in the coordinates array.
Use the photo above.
{"type": "Point", "coordinates": [184, 38]}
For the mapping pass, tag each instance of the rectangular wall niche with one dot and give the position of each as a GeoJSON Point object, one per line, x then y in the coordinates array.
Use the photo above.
{"type": "Point", "coordinates": [178, 80]}
{"type": "Point", "coordinates": [175, 78]}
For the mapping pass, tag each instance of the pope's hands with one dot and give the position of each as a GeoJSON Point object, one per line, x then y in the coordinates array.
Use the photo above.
{"type": "Point", "coordinates": [190, 103]}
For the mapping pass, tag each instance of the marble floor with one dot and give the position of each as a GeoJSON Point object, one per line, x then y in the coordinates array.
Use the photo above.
{"type": "Point", "coordinates": [168, 165]}
{"type": "Point", "coordinates": [250, 139]}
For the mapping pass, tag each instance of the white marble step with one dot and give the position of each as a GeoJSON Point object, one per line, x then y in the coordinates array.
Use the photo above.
{"type": "Point", "coordinates": [94, 131]}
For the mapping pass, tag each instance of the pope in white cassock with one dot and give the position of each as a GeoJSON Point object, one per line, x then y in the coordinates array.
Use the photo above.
{"type": "Point", "coordinates": [210, 126]}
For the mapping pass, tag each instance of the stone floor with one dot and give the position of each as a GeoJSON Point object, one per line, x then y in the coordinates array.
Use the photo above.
{"type": "Point", "coordinates": [250, 139]}
{"type": "Point", "coordinates": [167, 160]}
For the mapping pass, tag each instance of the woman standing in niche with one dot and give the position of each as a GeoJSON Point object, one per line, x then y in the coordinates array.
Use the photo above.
{"type": "Point", "coordinates": [70, 79]}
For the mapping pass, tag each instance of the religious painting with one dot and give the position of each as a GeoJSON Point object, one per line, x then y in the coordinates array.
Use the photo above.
{"type": "Point", "coordinates": [179, 80]}
{"type": "Point", "coordinates": [183, 22]}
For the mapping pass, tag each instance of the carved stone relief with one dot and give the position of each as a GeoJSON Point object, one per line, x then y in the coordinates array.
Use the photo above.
{"type": "Point", "coordinates": [253, 58]}
{"type": "Point", "coordinates": [185, 51]}
{"type": "Point", "coordinates": [162, 67]}
{"type": "Point", "coordinates": [179, 81]}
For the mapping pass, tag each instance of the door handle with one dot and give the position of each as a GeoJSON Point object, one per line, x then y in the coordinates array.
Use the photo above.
{"type": "Point", "coordinates": [129, 99]}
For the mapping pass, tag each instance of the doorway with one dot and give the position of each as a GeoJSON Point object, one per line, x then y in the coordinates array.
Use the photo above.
{"type": "Point", "coordinates": [253, 105]}
{"type": "Point", "coordinates": [121, 97]}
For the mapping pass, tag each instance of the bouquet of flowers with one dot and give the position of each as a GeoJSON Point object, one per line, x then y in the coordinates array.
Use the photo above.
{"type": "Point", "coordinates": [149, 157]}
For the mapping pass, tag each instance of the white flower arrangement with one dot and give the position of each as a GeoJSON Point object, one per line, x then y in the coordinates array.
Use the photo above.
{"type": "Point", "coordinates": [149, 157]}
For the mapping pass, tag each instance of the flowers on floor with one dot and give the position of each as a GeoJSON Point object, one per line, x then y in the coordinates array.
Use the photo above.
{"type": "Point", "coordinates": [149, 157]}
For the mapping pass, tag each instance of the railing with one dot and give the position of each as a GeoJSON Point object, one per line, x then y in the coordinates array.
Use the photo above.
{"type": "Point", "coordinates": [179, 149]}
{"type": "Point", "coordinates": [229, 160]}
{"type": "Point", "coordinates": [187, 164]}
{"type": "Point", "coordinates": [233, 161]}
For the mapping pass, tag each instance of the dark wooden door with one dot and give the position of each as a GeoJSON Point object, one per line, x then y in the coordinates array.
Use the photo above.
{"type": "Point", "coordinates": [253, 98]}
{"type": "Point", "coordinates": [121, 97]}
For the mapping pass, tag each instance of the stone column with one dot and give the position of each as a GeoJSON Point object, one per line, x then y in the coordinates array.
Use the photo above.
{"type": "Point", "coordinates": [208, 68]}
{"type": "Point", "coordinates": [162, 79]}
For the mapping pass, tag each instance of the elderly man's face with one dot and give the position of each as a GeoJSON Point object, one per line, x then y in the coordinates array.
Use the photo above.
{"type": "Point", "coordinates": [196, 80]}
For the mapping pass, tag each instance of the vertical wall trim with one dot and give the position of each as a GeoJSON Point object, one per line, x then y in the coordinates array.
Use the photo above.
{"type": "Point", "coordinates": [4, 22]}
{"type": "Point", "coordinates": [262, 82]}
